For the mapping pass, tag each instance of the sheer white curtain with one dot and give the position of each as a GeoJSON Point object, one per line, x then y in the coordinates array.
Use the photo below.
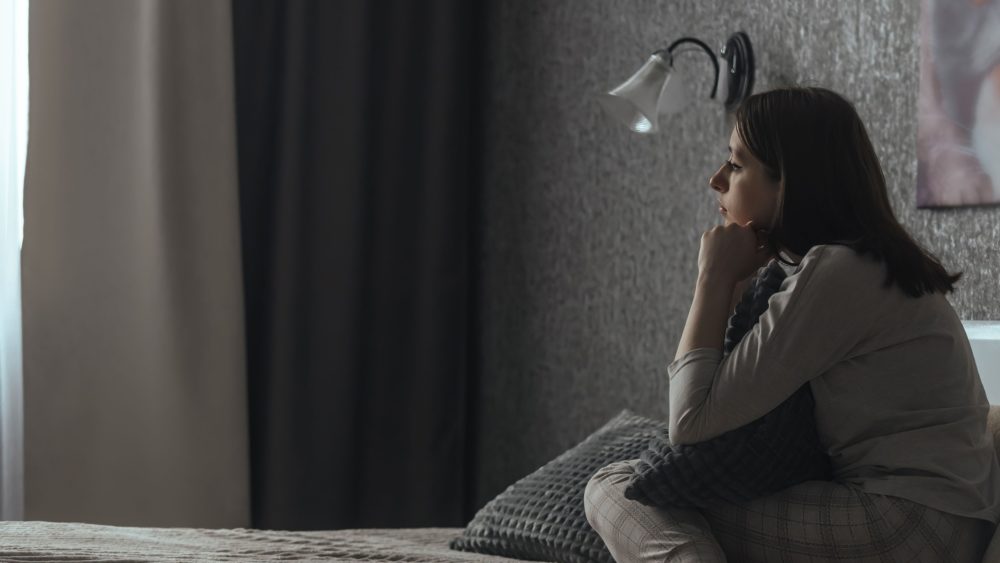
{"type": "Point", "coordinates": [13, 147]}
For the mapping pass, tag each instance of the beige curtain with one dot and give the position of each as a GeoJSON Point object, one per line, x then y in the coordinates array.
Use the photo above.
{"type": "Point", "coordinates": [132, 303]}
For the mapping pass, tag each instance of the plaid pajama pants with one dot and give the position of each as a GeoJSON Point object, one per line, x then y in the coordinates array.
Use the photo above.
{"type": "Point", "coordinates": [813, 521]}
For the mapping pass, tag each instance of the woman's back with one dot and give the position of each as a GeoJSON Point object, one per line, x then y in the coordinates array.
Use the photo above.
{"type": "Point", "coordinates": [903, 412]}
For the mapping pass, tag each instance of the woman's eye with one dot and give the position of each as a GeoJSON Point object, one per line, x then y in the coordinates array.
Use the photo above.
{"type": "Point", "coordinates": [732, 165]}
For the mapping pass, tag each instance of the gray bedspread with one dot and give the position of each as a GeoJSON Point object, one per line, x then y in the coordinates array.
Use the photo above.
{"type": "Point", "coordinates": [53, 541]}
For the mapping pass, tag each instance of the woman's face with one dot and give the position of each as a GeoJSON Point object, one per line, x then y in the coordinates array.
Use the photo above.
{"type": "Point", "coordinates": [744, 189]}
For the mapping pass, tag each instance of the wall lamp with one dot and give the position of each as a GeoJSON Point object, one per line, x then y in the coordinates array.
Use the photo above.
{"type": "Point", "coordinates": [657, 88]}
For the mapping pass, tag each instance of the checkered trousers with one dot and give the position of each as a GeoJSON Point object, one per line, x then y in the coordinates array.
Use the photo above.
{"type": "Point", "coordinates": [815, 521]}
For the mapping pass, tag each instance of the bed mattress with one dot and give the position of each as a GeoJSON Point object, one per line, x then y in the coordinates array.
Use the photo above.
{"type": "Point", "coordinates": [68, 542]}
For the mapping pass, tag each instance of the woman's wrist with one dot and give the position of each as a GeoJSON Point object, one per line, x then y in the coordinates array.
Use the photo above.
{"type": "Point", "coordinates": [716, 281]}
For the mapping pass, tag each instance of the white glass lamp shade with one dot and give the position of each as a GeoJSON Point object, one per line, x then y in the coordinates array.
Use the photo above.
{"type": "Point", "coordinates": [674, 95]}
{"type": "Point", "coordinates": [654, 89]}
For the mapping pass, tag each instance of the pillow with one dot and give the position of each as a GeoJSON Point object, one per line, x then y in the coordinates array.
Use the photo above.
{"type": "Point", "coordinates": [774, 452]}
{"type": "Point", "coordinates": [541, 516]}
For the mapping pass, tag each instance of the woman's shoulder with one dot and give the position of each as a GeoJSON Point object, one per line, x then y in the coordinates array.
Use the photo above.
{"type": "Point", "coordinates": [839, 260]}
{"type": "Point", "coordinates": [839, 271]}
{"type": "Point", "coordinates": [837, 253]}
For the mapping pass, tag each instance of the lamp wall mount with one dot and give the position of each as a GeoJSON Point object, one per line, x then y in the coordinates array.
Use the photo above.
{"type": "Point", "coordinates": [740, 65]}
{"type": "Point", "coordinates": [669, 51]}
{"type": "Point", "coordinates": [738, 56]}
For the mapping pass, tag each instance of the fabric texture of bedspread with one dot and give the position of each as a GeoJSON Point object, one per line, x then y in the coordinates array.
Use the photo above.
{"type": "Point", "coordinates": [69, 542]}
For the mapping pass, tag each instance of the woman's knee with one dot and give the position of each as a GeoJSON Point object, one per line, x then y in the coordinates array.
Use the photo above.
{"type": "Point", "coordinates": [636, 532]}
{"type": "Point", "coordinates": [608, 483]}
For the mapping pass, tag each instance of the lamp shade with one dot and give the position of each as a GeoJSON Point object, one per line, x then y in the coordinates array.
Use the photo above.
{"type": "Point", "coordinates": [656, 88]}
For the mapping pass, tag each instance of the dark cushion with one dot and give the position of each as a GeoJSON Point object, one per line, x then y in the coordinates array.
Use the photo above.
{"type": "Point", "coordinates": [774, 452]}
{"type": "Point", "coordinates": [541, 517]}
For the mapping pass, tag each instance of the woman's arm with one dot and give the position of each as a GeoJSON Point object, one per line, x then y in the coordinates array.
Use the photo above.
{"type": "Point", "coordinates": [728, 255]}
{"type": "Point", "coordinates": [738, 292]}
{"type": "Point", "coordinates": [706, 321]}
{"type": "Point", "coordinates": [819, 317]}
{"type": "Point", "coordinates": [705, 324]}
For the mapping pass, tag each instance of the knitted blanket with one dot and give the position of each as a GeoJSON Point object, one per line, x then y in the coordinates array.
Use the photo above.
{"type": "Point", "coordinates": [774, 452]}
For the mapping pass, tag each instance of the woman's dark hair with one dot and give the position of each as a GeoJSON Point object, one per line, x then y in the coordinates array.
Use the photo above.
{"type": "Point", "coordinates": [833, 191]}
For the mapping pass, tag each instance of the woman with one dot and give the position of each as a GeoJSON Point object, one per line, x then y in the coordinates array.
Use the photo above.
{"type": "Point", "coordinates": [864, 320]}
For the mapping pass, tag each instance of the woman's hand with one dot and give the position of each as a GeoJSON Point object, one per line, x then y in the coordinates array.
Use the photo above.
{"type": "Point", "coordinates": [732, 253]}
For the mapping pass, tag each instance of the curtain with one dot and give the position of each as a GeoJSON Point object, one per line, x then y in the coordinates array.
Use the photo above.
{"type": "Point", "coordinates": [13, 146]}
{"type": "Point", "coordinates": [359, 142]}
{"type": "Point", "coordinates": [134, 360]}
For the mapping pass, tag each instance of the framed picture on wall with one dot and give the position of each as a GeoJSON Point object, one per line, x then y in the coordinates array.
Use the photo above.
{"type": "Point", "coordinates": [958, 107]}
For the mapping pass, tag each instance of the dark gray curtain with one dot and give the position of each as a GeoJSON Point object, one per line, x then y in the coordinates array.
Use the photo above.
{"type": "Point", "coordinates": [359, 144]}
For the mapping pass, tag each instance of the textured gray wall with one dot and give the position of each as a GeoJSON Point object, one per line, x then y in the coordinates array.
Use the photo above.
{"type": "Point", "coordinates": [592, 232]}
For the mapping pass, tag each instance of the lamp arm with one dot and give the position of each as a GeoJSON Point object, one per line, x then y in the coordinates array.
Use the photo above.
{"type": "Point", "coordinates": [715, 60]}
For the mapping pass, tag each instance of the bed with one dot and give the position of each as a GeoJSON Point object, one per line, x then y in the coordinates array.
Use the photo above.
{"type": "Point", "coordinates": [76, 542]}
{"type": "Point", "coordinates": [70, 542]}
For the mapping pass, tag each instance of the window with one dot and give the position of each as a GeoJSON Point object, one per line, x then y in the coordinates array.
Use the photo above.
{"type": "Point", "coordinates": [13, 150]}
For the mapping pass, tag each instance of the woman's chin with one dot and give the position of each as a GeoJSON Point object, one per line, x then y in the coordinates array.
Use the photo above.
{"type": "Point", "coordinates": [727, 216]}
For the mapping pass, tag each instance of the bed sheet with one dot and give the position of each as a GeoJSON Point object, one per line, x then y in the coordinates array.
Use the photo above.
{"type": "Point", "coordinates": [72, 542]}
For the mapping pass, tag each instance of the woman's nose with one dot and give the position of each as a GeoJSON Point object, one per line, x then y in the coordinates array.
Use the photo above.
{"type": "Point", "coordinates": [718, 181]}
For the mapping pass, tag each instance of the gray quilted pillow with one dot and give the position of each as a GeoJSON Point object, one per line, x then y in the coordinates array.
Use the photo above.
{"type": "Point", "coordinates": [541, 516]}
{"type": "Point", "coordinates": [775, 451]}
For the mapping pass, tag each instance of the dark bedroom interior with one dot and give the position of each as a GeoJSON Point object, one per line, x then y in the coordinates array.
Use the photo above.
{"type": "Point", "coordinates": [387, 280]}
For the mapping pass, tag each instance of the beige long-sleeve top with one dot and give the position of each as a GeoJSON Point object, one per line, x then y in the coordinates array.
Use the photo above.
{"type": "Point", "coordinates": [900, 406]}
